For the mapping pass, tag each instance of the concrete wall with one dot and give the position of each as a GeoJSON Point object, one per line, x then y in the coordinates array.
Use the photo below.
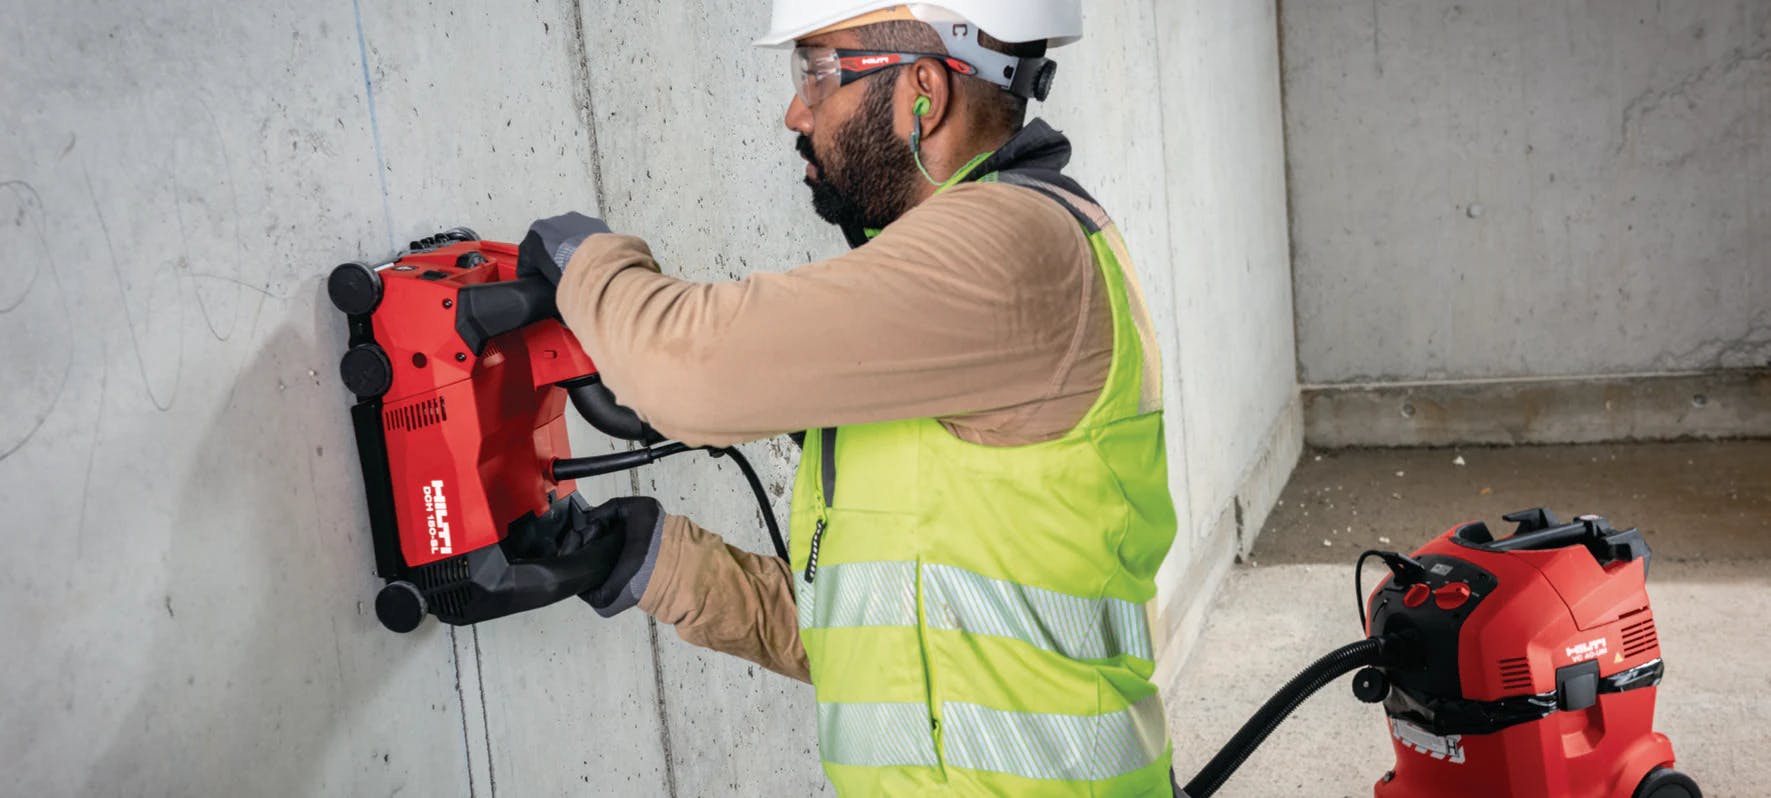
{"type": "Point", "coordinates": [187, 597]}
{"type": "Point", "coordinates": [1529, 189]}
{"type": "Point", "coordinates": [1234, 423]}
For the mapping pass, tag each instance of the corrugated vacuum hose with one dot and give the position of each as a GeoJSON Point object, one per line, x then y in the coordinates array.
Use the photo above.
{"type": "Point", "coordinates": [1331, 666]}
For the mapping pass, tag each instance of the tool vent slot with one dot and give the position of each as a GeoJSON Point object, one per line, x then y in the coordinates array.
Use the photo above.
{"type": "Point", "coordinates": [445, 586]}
{"type": "Point", "coordinates": [417, 415]}
{"type": "Point", "coordinates": [1515, 673]}
{"type": "Point", "coordinates": [1639, 637]}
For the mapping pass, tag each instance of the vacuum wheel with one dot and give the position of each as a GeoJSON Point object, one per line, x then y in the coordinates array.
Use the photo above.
{"type": "Point", "coordinates": [1667, 783]}
{"type": "Point", "coordinates": [400, 606]}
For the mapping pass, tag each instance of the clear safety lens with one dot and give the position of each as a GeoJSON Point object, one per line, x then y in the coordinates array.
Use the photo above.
{"type": "Point", "coordinates": [816, 73]}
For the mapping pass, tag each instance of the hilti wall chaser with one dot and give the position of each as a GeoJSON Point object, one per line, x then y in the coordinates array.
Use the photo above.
{"type": "Point", "coordinates": [462, 372]}
{"type": "Point", "coordinates": [1512, 667]}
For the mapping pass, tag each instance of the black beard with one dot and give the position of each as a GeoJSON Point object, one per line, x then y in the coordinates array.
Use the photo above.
{"type": "Point", "coordinates": [870, 182]}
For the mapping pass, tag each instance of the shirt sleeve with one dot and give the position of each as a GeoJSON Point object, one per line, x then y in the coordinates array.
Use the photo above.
{"type": "Point", "coordinates": [973, 302]}
{"type": "Point", "coordinates": [725, 598]}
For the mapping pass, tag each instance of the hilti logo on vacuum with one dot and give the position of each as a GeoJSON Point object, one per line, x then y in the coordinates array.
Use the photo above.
{"type": "Point", "coordinates": [436, 510]}
{"type": "Point", "coordinates": [1591, 649]}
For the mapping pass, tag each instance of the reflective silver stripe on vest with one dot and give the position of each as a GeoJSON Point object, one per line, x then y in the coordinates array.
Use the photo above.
{"type": "Point", "coordinates": [875, 735]}
{"type": "Point", "coordinates": [1076, 627]}
{"type": "Point", "coordinates": [859, 594]}
{"type": "Point", "coordinates": [1067, 747]}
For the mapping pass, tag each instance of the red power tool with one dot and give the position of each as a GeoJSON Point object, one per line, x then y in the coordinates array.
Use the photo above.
{"type": "Point", "coordinates": [462, 372]}
{"type": "Point", "coordinates": [1512, 667]}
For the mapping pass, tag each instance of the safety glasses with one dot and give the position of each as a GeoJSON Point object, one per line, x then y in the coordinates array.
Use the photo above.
{"type": "Point", "coordinates": [819, 71]}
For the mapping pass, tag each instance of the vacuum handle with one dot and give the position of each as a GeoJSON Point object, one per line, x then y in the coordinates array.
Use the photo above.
{"type": "Point", "coordinates": [1540, 531]}
{"type": "Point", "coordinates": [1554, 537]}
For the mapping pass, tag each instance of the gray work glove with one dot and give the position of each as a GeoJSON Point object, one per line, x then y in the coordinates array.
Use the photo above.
{"type": "Point", "coordinates": [551, 242]}
{"type": "Point", "coordinates": [639, 521]}
{"type": "Point", "coordinates": [613, 544]}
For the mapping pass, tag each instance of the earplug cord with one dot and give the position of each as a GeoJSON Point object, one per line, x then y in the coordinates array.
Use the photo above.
{"type": "Point", "coordinates": [919, 110]}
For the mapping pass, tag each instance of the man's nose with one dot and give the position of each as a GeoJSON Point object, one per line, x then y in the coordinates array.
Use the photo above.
{"type": "Point", "coordinates": [799, 116]}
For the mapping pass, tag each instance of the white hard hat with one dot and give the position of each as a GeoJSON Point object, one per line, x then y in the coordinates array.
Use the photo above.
{"type": "Point", "coordinates": [1056, 22]}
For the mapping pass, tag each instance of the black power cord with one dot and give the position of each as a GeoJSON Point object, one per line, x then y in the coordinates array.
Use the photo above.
{"type": "Point", "coordinates": [1406, 570]}
{"type": "Point", "coordinates": [581, 467]}
{"type": "Point", "coordinates": [762, 497]}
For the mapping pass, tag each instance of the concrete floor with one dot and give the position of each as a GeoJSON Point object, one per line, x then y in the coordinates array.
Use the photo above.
{"type": "Point", "coordinates": [1704, 507]}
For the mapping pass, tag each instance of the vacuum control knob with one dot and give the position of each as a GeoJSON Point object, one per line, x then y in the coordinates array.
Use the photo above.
{"type": "Point", "coordinates": [1371, 685]}
{"type": "Point", "coordinates": [1417, 595]}
{"type": "Point", "coordinates": [1451, 596]}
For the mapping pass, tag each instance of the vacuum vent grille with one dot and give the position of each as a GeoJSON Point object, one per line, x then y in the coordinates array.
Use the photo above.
{"type": "Point", "coordinates": [1639, 637]}
{"type": "Point", "coordinates": [1515, 673]}
{"type": "Point", "coordinates": [417, 415]}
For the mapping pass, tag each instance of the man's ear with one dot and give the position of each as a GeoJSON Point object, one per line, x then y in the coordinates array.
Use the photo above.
{"type": "Point", "coordinates": [928, 78]}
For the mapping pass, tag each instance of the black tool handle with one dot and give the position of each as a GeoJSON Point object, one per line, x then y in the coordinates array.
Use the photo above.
{"type": "Point", "coordinates": [483, 312]}
{"type": "Point", "coordinates": [596, 403]}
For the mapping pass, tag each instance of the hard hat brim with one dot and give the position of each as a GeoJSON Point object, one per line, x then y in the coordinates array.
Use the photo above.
{"type": "Point", "coordinates": [785, 37]}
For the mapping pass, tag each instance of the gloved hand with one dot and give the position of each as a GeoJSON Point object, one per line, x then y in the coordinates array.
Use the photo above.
{"type": "Point", "coordinates": [640, 521]}
{"type": "Point", "coordinates": [617, 535]}
{"type": "Point", "coordinates": [551, 242]}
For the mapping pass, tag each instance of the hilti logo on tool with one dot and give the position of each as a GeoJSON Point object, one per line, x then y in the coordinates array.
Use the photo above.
{"type": "Point", "coordinates": [436, 511]}
{"type": "Point", "coordinates": [1591, 649]}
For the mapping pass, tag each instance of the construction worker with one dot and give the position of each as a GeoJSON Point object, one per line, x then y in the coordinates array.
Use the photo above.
{"type": "Point", "coordinates": [982, 500]}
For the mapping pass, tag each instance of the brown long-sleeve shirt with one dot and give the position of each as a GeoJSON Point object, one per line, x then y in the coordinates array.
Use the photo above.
{"type": "Point", "coordinates": [982, 307]}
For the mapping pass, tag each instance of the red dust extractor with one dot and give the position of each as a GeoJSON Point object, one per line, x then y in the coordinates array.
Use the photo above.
{"type": "Point", "coordinates": [1523, 667]}
{"type": "Point", "coordinates": [1526, 666]}
{"type": "Point", "coordinates": [462, 372]}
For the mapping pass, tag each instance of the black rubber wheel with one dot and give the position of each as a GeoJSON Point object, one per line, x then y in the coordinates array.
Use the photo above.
{"type": "Point", "coordinates": [1667, 783]}
{"type": "Point", "coordinates": [366, 371]}
{"type": "Point", "coordinates": [460, 234]}
{"type": "Point", "coordinates": [400, 606]}
{"type": "Point", "coordinates": [355, 288]}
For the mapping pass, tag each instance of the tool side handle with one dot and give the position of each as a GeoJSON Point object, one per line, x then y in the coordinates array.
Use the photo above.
{"type": "Point", "coordinates": [596, 403]}
{"type": "Point", "coordinates": [488, 310]}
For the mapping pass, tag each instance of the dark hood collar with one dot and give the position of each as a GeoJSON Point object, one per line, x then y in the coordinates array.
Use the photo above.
{"type": "Point", "coordinates": [1036, 146]}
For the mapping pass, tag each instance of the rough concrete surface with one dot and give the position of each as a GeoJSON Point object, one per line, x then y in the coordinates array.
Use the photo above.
{"type": "Point", "coordinates": [1699, 501]}
{"type": "Point", "coordinates": [187, 602]}
{"type": "Point", "coordinates": [1706, 509]}
{"type": "Point", "coordinates": [1734, 403]}
{"type": "Point", "coordinates": [1528, 188]}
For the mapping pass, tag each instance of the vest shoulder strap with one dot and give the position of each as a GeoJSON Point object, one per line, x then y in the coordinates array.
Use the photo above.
{"type": "Point", "coordinates": [1061, 189]}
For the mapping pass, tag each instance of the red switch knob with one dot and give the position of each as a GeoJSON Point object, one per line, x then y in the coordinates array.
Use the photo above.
{"type": "Point", "coordinates": [1417, 595]}
{"type": "Point", "coordinates": [1451, 596]}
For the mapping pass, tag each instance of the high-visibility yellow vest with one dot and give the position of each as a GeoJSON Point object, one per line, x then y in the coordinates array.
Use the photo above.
{"type": "Point", "coordinates": [974, 615]}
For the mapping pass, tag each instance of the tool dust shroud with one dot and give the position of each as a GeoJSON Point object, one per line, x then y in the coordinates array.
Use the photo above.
{"type": "Point", "coordinates": [1520, 666]}
{"type": "Point", "coordinates": [462, 371]}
